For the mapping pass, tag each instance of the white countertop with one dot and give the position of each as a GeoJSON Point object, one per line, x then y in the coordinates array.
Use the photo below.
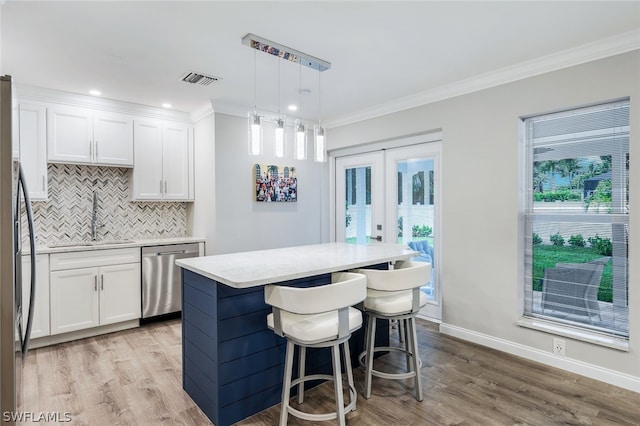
{"type": "Point", "coordinates": [101, 245]}
{"type": "Point", "coordinates": [255, 268]}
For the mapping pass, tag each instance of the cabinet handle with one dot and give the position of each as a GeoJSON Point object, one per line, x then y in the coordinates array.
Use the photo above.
{"type": "Point", "coordinates": [101, 282]}
{"type": "Point", "coordinates": [160, 186]}
{"type": "Point", "coordinates": [165, 187]}
{"type": "Point", "coordinates": [96, 159]}
{"type": "Point", "coordinates": [90, 150]}
{"type": "Point", "coordinates": [95, 283]}
{"type": "Point", "coordinates": [43, 182]}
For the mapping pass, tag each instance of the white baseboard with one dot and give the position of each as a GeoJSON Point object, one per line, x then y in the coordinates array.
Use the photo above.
{"type": "Point", "coordinates": [83, 334]}
{"type": "Point", "coordinates": [578, 367]}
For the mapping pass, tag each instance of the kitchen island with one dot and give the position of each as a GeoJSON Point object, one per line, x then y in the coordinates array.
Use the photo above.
{"type": "Point", "coordinates": [232, 363]}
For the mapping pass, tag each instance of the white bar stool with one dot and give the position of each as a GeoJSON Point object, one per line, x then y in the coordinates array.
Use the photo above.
{"type": "Point", "coordinates": [317, 317]}
{"type": "Point", "coordinates": [394, 294]}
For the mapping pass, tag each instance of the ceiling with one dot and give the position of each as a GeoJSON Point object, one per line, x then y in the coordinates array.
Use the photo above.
{"type": "Point", "coordinates": [381, 52]}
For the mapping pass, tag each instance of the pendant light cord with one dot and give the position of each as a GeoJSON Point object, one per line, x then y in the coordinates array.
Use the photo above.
{"type": "Point", "coordinates": [255, 81]}
{"type": "Point", "coordinates": [319, 102]}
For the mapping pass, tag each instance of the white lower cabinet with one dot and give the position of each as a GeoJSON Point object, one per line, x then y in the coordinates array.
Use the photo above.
{"type": "Point", "coordinates": [94, 288]}
{"type": "Point", "coordinates": [40, 321]}
{"type": "Point", "coordinates": [74, 300]}
{"type": "Point", "coordinates": [119, 298]}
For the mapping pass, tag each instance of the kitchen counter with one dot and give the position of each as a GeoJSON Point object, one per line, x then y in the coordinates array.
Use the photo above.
{"type": "Point", "coordinates": [232, 364]}
{"type": "Point", "coordinates": [110, 244]}
{"type": "Point", "coordinates": [255, 268]}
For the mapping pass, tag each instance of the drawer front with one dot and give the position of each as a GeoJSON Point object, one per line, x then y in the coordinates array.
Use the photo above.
{"type": "Point", "coordinates": [93, 258]}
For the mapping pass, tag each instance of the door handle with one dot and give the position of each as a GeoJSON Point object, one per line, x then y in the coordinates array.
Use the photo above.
{"type": "Point", "coordinates": [378, 238]}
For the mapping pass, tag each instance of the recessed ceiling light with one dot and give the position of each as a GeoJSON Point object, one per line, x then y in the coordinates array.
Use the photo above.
{"type": "Point", "coordinates": [293, 107]}
{"type": "Point", "coordinates": [166, 105]}
{"type": "Point", "coordinates": [95, 92]}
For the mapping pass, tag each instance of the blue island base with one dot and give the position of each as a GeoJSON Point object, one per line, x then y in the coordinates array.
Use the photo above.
{"type": "Point", "coordinates": [232, 364]}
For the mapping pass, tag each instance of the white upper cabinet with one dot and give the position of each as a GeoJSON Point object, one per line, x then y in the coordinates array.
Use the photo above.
{"type": "Point", "coordinates": [113, 139]}
{"type": "Point", "coordinates": [85, 136]}
{"type": "Point", "coordinates": [31, 134]}
{"type": "Point", "coordinates": [176, 151]}
{"type": "Point", "coordinates": [163, 161]}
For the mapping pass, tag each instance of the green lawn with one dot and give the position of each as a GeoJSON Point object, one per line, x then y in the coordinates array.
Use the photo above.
{"type": "Point", "coordinates": [545, 256]}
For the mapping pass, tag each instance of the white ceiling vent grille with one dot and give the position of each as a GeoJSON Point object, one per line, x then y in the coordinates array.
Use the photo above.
{"type": "Point", "coordinates": [193, 77]}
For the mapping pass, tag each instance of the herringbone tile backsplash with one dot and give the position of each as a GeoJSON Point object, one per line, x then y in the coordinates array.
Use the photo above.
{"type": "Point", "coordinates": [66, 216]}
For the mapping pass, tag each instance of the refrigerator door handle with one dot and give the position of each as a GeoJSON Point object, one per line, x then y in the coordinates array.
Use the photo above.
{"type": "Point", "coordinates": [32, 245]}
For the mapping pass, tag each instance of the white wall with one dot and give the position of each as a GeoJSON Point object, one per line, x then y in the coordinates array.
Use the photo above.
{"type": "Point", "coordinates": [242, 224]}
{"type": "Point", "coordinates": [480, 245]}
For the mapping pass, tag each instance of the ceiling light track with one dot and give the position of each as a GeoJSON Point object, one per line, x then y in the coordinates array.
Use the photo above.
{"type": "Point", "coordinates": [284, 52]}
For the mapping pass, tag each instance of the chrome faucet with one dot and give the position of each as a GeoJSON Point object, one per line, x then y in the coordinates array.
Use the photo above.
{"type": "Point", "coordinates": [94, 217]}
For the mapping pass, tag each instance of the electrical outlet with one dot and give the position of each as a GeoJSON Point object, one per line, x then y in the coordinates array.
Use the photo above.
{"type": "Point", "coordinates": [559, 347]}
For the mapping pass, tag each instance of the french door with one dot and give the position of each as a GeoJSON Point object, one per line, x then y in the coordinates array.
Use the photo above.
{"type": "Point", "coordinates": [360, 198]}
{"type": "Point", "coordinates": [393, 195]}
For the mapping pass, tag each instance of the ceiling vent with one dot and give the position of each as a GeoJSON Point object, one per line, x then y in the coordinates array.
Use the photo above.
{"type": "Point", "coordinates": [192, 77]}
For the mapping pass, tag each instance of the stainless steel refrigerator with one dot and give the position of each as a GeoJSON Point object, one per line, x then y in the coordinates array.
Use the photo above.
{"type": "Point", "coordinates": [16, 314]}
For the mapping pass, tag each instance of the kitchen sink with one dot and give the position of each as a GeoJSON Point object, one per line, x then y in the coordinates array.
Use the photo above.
{"type": "Point", "coordinates": [90, 243]}
{"type": "Point", "coordinates": [106, 242]}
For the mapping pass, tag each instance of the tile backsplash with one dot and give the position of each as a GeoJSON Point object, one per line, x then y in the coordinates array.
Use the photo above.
{"type": "Point", "coordinates": [66, 216]}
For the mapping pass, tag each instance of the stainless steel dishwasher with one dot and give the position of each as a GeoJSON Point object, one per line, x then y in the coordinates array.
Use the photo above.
{"type": "Point", "coordinates": [161, 293]}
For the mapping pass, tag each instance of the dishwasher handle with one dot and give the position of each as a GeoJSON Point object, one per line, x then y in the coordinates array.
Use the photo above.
{"type": "Point", "coordinates": [169, 253]}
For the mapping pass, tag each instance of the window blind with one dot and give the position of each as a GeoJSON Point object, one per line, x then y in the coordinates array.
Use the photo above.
{"type": "Point", "coordinates": [577, 218]}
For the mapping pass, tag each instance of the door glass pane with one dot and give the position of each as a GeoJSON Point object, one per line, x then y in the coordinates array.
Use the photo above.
{"type": "Point", "coordinates": [358, 205]}
{"type": "Point", "coordinates": [415, 211]}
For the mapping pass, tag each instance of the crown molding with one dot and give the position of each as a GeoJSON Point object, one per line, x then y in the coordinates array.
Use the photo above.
{"type": "Point", "coordinates": [41, 94]}
{"type": "Point", "coordinates": [611, 46]}
{"type": "Point", "coordinates": [203, 112]}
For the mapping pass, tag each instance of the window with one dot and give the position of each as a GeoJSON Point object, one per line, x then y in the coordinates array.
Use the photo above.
{"type": "Point", "coordinates": [576, 218]}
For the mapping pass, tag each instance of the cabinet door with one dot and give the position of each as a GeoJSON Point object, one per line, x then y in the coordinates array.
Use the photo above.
{"type": "Point", "coordinates": [113, 139]}
{"type": "Point", "coordinates": [175, 168]}
{"type": "Point", "coordinates": [33, 148]}
{"type": "Point", "coordinates": [40, 325]}
{"type": "Point", "coordinates": [119, 293]}
{"type": "Point", "coordinates": [147, 173]}
{"type": "Point", "coordinates": [69, 134]}
{"type": "Point", "coordinates": [74, 300]}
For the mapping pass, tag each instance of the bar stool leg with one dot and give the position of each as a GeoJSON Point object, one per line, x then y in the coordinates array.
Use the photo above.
{"type": "Point", "coordinates": [347, 366]}
{"type": "Point", "coordinates": [337, 383]}
{"type": "Point", "coordinates": [371, 333]}
{"type": "Point", "coordinates": [286, 386]}
{"type": "Point", "coordinates": [407, 344]}
{"type": "Point", "coordinates": [301, 372]}
{"type": "Point", "coordinates": [401, 330]}
{"type": "Point", "coordinates": [416, 358]}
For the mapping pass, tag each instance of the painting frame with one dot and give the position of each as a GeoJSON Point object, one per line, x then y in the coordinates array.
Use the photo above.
{"type": "Point", "coordinates": [275, 183]}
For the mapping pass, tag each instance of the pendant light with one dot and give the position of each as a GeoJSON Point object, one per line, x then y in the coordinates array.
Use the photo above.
{"type": "Point", "coordinates": [320, 148]}
{"type": "Point", "coordinates": [278, 140]}
{"type": "Point", "coordinates": [301, 132]}
{"type": "Point", "coordinates": [288, 54]}
{"type": "Point", "coordinates": [255, 121]}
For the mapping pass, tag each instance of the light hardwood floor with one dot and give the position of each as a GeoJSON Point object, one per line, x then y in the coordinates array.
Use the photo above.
{"type": "Point", "coordinates": [134, 378]}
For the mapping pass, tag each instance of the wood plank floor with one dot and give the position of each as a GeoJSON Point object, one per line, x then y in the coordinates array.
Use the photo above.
{"type": "Point", "coordinates": [134, 378]}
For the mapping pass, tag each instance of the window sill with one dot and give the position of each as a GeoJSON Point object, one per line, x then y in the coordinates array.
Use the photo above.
{"type": "Point", "coordinates": [576, 334]}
